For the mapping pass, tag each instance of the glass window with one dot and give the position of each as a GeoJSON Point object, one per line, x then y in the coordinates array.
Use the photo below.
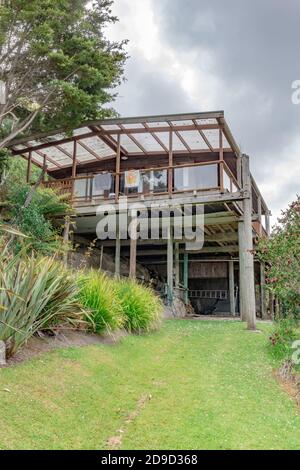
{"type": "Point", "coordinates": [144, 182]}
{"type": "Point", "coordinates": [226, 180]}
{"type": "Point", "coordinates": [155, 181]}
{"type": "Point", "coordinates": [103, 184]}
{"type": "Point", "coordinates": [82, 187]}
{"type": "Point", "coordinates": [196, 177]}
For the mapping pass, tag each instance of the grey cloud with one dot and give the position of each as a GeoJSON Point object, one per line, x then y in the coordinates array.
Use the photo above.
{"type": "Point", "coordinates": [148, 92]}
{"type": "Point", "coordinates": [253, 46]}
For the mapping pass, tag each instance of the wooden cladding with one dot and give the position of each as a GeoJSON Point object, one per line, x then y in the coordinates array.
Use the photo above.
{"type": "Point", "coordinates": [208, 270]}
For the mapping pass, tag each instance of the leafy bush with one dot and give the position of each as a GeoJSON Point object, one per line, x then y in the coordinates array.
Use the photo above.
{"type": "Point", "coordinates": [36, 220]}
{"type": "Point", "coordinates": [141, 307]}
{"type": "Point", "coordinates": [282, 337]}
{"type": "Point", "coordinates": [35, 294]}
{"type": "Point", "coordinates": [98, 295]}
{"type": "Point", "coordinates": [281, 253]}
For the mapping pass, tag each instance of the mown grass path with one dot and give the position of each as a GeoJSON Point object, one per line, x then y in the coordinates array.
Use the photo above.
{"type": "Point", "coordinates": [192, 385]}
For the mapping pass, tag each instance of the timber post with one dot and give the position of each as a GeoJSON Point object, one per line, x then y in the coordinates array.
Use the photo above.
{"type": "Point", "coordinates": [231, 287]}
{"type": "Point", "coordinates": [117, 254]}
{"type": "Point", "coordinates": [263, 291]}
{"type": "Point", "coordinates": [133, 245]}
{"type": "Point", "coordinates": [247, 287]}
{"type": "Point", "coordinates": [177, 265]}
{"type": "Point", "coordinates": [186, 277]}
{"type": "Point", "coordinates": [170, 267]}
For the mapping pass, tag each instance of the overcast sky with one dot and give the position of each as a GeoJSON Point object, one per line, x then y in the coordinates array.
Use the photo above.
{"type": "Point", "coordinates": [240, 56]}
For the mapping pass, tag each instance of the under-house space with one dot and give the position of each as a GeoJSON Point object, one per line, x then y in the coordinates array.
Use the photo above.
{"type": "Point", "coordinates": [159, 170]}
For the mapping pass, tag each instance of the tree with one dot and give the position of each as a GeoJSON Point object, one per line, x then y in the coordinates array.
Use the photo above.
{"type": "Point", "coordinates": [281, 253]}
{"type": "Point", "coordinates": [57, 67]}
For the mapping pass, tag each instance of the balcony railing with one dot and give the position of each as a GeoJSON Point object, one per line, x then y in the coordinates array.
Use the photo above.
{"type": "Point", "coordinates": [133, 183]}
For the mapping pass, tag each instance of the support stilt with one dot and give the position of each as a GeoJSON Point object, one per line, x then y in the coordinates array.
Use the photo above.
{"type": "Point", "coordinates": [186, 277]}
{"type": "Point", "coordinates": [247, 289]}
{"type": "Point", "coordinates": [133, 244]}
{"type": "Point", "coordinates": [177, 265]}
{"type": "Point", "coordinates": [170, 267]}
{"type": "Point", "coordinates": [118, 256]}
{"type": "Point", "coordinates": [231, 287]}
{"type": "Point", "coordinates": [263, 291]}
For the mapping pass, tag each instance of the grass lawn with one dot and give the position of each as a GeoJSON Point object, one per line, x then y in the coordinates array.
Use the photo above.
{"type": "Point", "coordinates": [192, 385]}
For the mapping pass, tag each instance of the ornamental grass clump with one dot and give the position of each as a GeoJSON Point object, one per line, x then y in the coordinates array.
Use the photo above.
{"type": "Point", "coordinates": [141, 307]}
{"type": "Point", "coordinates": [35, 294]}
{"type": "Point", "coordinates": [97, 293]}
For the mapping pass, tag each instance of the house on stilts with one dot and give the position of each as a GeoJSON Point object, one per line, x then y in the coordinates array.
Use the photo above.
{"type": "Point", "coordinates": [163, 169]}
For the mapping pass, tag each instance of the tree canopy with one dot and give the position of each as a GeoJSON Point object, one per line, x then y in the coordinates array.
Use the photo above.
{"type": "Point", "coordinates": [57, 66]}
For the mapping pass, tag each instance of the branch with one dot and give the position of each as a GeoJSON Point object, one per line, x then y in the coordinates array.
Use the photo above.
{"type": "Point", "coordinates": [26, 122]}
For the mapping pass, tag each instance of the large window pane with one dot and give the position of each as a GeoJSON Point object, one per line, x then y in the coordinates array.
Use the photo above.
{"type": "Point", "coordinates": [145, 182]}
{"type": "Point", "coordinates": [197, 177]}
{"type": "Point", "coordinates": [103, 184]}
{"type": "Point", "coordinates": [82, 187]}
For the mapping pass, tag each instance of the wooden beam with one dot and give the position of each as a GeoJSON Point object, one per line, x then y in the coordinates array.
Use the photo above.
{"type": "Point", "coordinates": [133, 139]}
{"type": "Point", "coordinates": [156, 137]}
{"type": "Point", "coordinates": [268, 226]}
{"type": "Point", "coordinates": [177, 200]}
{"type": "Point", "coordinates": [205, 249]}
{"type": "Point", "coordinates": [218, 115]}
{"type": "Point", "coordinates": [65, 152]}
{"type": "Point", "coordinates": [263, 306]}
{"type": "Point", "coordinates": [74, 160]}
{"type": "Point", "coordinates": [177, 265]}
{"type": "Point", "coordinates": [247, 282]}
{"type": "Point", "coordinates": [44, 167]}
{"type": "Point", "coordinates": [107, 139]}
{"type": "Point", "coordinates": [186, 277]}
{"type": "Point", "coordinates": [58, 165]}
{"type": "Point", "coordinates": [118, 167]}
{"type": "Point", "coordinates": [103, 133]}
{"type": "Point", "coordinates": [170, 267]}
{"type": "Point", "coordinates": [88, 149]}
{"type": "Point", "coordinates": [74, 166]}
{"type": "Point", "coordinates": [118, 255]}
{"type": "Point", "coordinates": [28, 173]}
{"type": "Point", "coordinates": [260, 228]}
{"type": "Point", "coordinates": [231, 287]}
{"type": "Point", "coordinates": [133, 247]}
{"type": "Point", "coordinates": [228, 237]}
{"type": "Point", "coordinates": [204, 138]}
{"type": "Point", "coordinates": [221, 157]}
{"type": "Point", "coordinates": [170, 169]}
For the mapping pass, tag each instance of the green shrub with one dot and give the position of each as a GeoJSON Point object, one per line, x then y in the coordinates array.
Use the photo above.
{"type": "Point", "coordinates": [37, 220]}
{"type": "Point", "coordinates": [141, 307]}
{"type": "Point", "coordinates": [98, 295]}
{"type": "Point", "coordinates": [35, 294]}
{"type": "Point", "coordinates": [282, 337]}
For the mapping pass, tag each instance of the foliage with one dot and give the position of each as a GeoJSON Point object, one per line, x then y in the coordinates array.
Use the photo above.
{"type": "Point", "coordinates": [141, 307]}
{"type": "Point", "coordinates": [98, 295]}
{"type": "Point", "coordinates": [17, 169]}
{"type": "Point", "coordinates": [37, 220]}
{"type": "Point", "coordinates": [282, 337]}
{"type": "Point", "coordinates": [281, 253]}
{"type": "Point", "coordinates": [4, 162]}
{"type": "Point", "coordinates": [115, 303]}
{"type": "Point", "coordinates": [57, 66]}
{"type": "Point", "coordinates": [35, 294]}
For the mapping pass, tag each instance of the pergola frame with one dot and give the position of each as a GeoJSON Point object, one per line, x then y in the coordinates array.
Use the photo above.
{"type": "Point", "coordinates": [134, 129]}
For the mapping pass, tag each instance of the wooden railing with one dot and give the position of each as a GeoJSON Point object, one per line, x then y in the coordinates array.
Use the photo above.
{"type": "Point", "coordinates": [60, 186]}
{"type": "Point", "coordinates": [81, 188]}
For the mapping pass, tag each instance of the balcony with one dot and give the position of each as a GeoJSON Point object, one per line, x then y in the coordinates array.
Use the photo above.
{"type": "Point", "coordinates": [103, 186]}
